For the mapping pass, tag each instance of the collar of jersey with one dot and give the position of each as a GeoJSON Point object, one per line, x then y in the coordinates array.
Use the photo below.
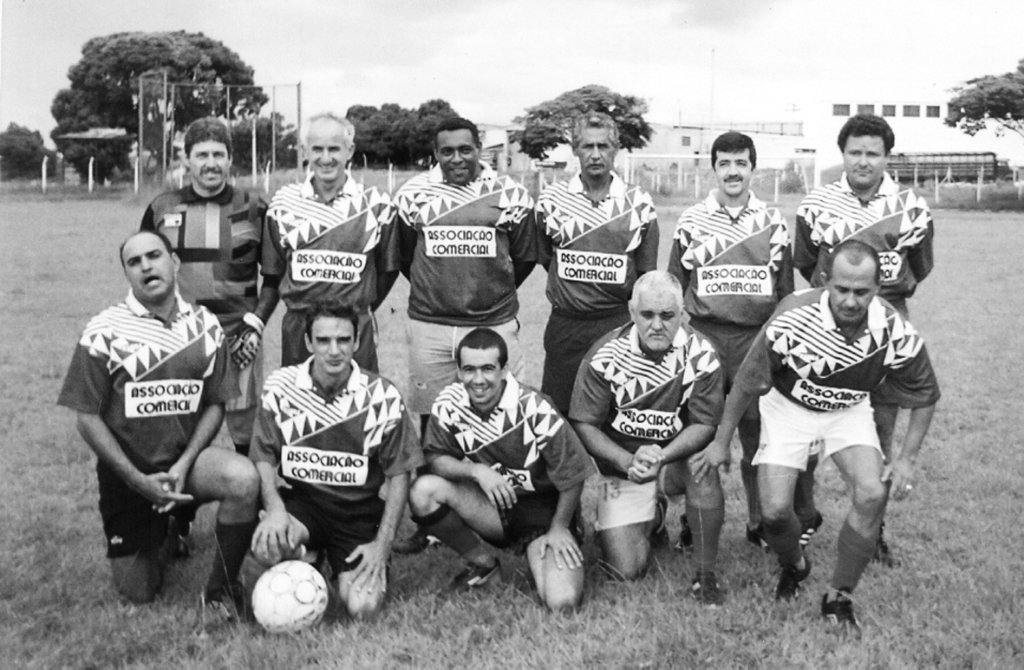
{"type": "Point", "coordinates": [617, 189]}
{"type": "Point", "coordinates": [304, 378]}
{"type": "Point", "coordinates": [138, 309]}
{"type": "Point", "coordinates": [634, 340]}
{"type": "Point", "coordinates": [487, 173]}
{"type": "Point", "coordinates": [712, 205]}
{"type": "Point", "coordinates": [509, 398]}
{"type": "Point", "coordinates": [876, 314]}
{"type": "Point", "coordinates": [349, 189]}
{"type": "Point", "coordinates": [222, 198]}
{"type": "Point", "coordinates": [887, 188]}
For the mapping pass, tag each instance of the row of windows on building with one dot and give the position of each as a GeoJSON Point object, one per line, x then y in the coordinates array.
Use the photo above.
{"type": "Point", "coordinates": [930, 111]}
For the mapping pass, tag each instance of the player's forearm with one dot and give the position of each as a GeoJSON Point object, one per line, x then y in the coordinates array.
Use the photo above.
{"type": "Point", "coordinates": [452, 468]}
{"type": "Point", "coordinates": [568, 503]}
{"type": "Point", "coordinates": [205, 430]}
{"type": "Point", "coordinates": [602, 447]}
{"type": "Point", "coordinates": [736, 404]}
{"type": "Point", "coordinates": [692, 439]}
{"type": "Point", "coordinates": [917, 428]}
{"type": "Point", "coordinates": [394, 505]}
{"type": "Point", "coordinates": [99, 438]}
{"type": "Point", "coordinates": [269, 297]}
{"type": "Point", "coordinates": [271, 497]}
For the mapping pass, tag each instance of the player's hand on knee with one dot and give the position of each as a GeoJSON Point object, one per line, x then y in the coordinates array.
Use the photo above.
{"type": "Point", "coordinates": [561, 543]}
{"type": "Point", "coordinates": [275, 537]}
{"type": "Point", "coordinates": [371, 574]}
{"type": "Point", "coordinates": [495, 487]}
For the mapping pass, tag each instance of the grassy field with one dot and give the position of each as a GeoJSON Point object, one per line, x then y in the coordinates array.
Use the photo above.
{"type": "Point", "coordinates": [955, 602]}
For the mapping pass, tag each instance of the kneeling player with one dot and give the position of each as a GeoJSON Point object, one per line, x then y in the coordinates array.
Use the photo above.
{"type": "Point", "coordinates": [149, 380]}
{"type": "Point", "coordinates": [336, 434]}
{"type": "Point", "coordinates": [505, 467]}
{"type": "Point", "coordinates": [647, 399]}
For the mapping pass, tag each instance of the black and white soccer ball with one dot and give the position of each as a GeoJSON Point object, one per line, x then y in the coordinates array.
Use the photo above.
{"type": "Point", "coordinates": [289, 597]}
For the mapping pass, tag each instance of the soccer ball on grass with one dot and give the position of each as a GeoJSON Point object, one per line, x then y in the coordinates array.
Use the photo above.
{"type": "Point", "coordinates": [289, 597]}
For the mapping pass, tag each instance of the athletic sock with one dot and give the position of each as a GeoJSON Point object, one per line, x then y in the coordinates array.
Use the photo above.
{"type": "Point", "coordinates": [749, 476]}
{"type": "Point", "coordinates": [855, 552]}
{"type": "Point", "coordinates": [783, 536]}
{"type": "Point", "coordinates": [232, 544]}
{"type": "Point", "coordinates": [453, 531]}
{"type": "Point", "coordinates": [706, 525]}
{"type": "Point", "coordinates": [803, 495]}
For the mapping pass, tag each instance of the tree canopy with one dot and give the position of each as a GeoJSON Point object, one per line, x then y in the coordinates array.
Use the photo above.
{"type": "Point", "coordinates": [22, 152]}
{"type": "Point", "coordinates": [393, 134]}
{"type": "Point", "coordinates": [105, 84]}
{"type": "Point", "coordinates": [550, 123]}
{"type": "Point", "coordinates": [992, 99]}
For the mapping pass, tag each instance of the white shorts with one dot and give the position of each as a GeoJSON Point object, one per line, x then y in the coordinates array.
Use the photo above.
{"type": "Point", "coordinates": [790, 433]}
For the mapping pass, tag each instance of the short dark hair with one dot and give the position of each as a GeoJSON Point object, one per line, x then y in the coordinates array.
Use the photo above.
{"type": "Point", "coordinates": [331, 310]}
{"type": "Point", "coordinates": [482, 339]}
{"type": "Point", "coordinates": [452, 123]}
{"type": "Point", "coordinates": [733, 143]}
{"type": "Point", "coordinates": [855, 251]}
{"type": "Point", "coordinates": [867, 125]}
{"type": "Point", "coordinates": [157, 233]}
{"type": "Point", "coordinates": [207, 129]}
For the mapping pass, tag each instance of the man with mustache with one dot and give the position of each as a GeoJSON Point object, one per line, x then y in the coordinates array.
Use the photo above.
{"type": "Point", "coordinates": [814, 365]}
{"type": "Point", "coordinates": [866, 204]}
{"type": "Point", "coordinates": [331, 239]}
{"type": "Point", "coordinates": [732, 255]}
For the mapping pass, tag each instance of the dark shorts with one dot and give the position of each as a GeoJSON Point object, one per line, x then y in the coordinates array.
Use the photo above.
{"type": "Point", "coordinates": [566, 342]}
{"type": "Point", "coordinates": [530, 518]}
{"type": "Point", "coordinates": [335, 526]}
{"type": "Point", "coordinates": [293, 340]}
{"type": "Point", "coordinates": [731, 342]}
{"type": "Point", "coordinates": [129, 522]}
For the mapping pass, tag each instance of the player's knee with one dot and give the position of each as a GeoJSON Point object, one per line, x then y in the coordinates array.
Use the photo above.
{"type": "Point", "coordinates": [775, 509]}
{"type": "Point", "coordinates": [706, 493]}
{"type": "Point", "coordinates": [241, 480]}
{"type": "Point", "coordinates": [363, 606]}
{"type": "Point", "coordinates": [425, 494]}
{"type": "Point", "coordinates": [869, 494]}
{"type": "Point", "coordinates": [562, 601]}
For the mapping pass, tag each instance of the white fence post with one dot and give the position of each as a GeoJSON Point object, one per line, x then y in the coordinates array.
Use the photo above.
{"type": "Point", "coordinates": [43, 169]}
{"type": "Point", "coordinates": [777, 185]}
{"type": "Point", "coordinates": [981, 179]}
{"type": "Point", "coordinates": [135, 170]}
{"type": "Point", "coordinates": [92, 159]}
{"type": "Point", "coordinates": [936, 187]}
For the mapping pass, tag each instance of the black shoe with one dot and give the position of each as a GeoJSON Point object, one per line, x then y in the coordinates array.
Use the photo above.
{"type": "Point", "coordinates": [755, 536]}
{"type": "Point", "coordinates": [706, 590]}
{"type": "Point", "coordinates": [225, 605]}
{"type": "Point", "coordinates": [809, 530]}
{"type": "Point", "coordinates": [476, 576]}
{"type": "Point", "coordinates": [685, 542]}
{"type": "Point", "coordinates": [414, 544]}
{"type": "Point", "coordinates": [883, 555]}
{"type": "Point", "coordinates": [789, 580]}
{"type": "Point", "coordinates": [839, 613]}
{"type": "Point", "coordinates": [659, 535]}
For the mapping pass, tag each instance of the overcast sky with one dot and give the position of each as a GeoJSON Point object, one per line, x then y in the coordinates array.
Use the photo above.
{"type": "Point", "coordinates": [694, 60]}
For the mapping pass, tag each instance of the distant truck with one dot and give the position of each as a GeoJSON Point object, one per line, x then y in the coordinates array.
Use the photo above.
{"type": "Point", "coordinates": [954, 166]}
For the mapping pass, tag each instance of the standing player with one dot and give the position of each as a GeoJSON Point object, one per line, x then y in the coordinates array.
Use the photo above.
{"type": "Point", "coordinates": [218, 233]}
{"type": "Point", "coordinates": [336, 434]}
{"type": "Point", "coordinates": [867, 205]}
{"type": "Point", "coordinates": [814, 365]}
{"type": "Point", "coordinates": [596, 236]}
{"type": "Point", "coordinates": [647, 399]}
{"type": "Point", "coordinates": [149, 381]}
{"type": "Point", "coordinates": [731, 253]}
{"type": "Point", "coordinates": [331, 239]}
{"type": "Point", "coordinates": [506, 467]}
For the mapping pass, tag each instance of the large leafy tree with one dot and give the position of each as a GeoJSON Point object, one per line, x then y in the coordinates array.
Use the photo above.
{"type": "Point", "coordinates": [550, 123]}
{"type": "Point", "coordinates": [286, 146]}
{"type": "Point", "coordinates": [396, 135]}
{"type": "Point", "coordinates": [22, 152]}
{"type": "Point", "coordinates": [105, 83]}
{"type": "Point", "coordinates": [992, 99]}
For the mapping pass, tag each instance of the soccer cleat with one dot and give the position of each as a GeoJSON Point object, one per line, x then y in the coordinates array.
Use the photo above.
{"type": "Point", "coordinates": [224, 605]}
{"type": "Point", "coordinates": [476, 576]}
{"type": "Point", "coordinates": [755, 536]}
{"type": "Point", "coordinates": [415, 543]}
{"type": "Point", "coordinates": [883, 555]}
{"type": "Point", "coordinates": [706, 590]}
{"type": "Point", "coordinates": [685, 542]}
{"type": "Point", "coordinates": [789, 580]}
{"type": "Point", "coordinates": [839, 613]}
{"type": "Point", "coordinates": [659, 533]}
{"type": "Point", "coordinates": [810, 530]}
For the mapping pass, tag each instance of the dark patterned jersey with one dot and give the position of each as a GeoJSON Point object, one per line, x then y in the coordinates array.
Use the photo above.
{"type": "Point", "coordinates": [734, 270]}
{"type": "Point", "coordinates": [595, 251]}
{"type": "Point", "coordinates": [524, 438]}
{"type": "Point", "coordinates": [897, 224]}
{"type": "Point", "coordinates": [802, 353]}
{"type": "Point", "coordinates": [220, 241]}
{"type": "Point", "coordinates": [635, 399]}
{"type": "Point", "coordinates": [466, 241]}
{"type": "Point", "coordinates": [148, 380]}
{"type": "Point", "coordinates": [330, 251]}
{"type": "Point", "coordinates": [334, 448]}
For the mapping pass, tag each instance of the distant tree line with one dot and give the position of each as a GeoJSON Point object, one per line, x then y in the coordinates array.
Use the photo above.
{"type": "Point", "coordinates": [395, 135]}
{"type": "Point", "coordinates": [22, 152]}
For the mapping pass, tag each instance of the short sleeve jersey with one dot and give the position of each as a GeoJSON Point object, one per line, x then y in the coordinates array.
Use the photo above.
{"type": "Point", "coordinates": [338, 448]}
{"type": "Point", "coordinates": [524, 438]}
{"type": "Point", "coordinates": [734, 270]}
{"type": "Point", "coordinates": [467, 239]}
{"type": "Point", "coordinates": [594, 251]}
{"type": "Point", "coordinates": [220, 242]}
{"type": "Point", "coordinates": [897, 224]}
{"type": "Point", "coordinates": [330, 251]}
{"type": "Point", "coordinates": [635, 399]}
{"type": "Point", "coordinates": [802, 354]}
{"type": "Point", "coordinates": [149, 381]}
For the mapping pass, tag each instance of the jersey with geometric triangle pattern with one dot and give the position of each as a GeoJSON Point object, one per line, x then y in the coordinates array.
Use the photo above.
{"type": "Point", "coordinates": [898, 225]}
{"type": "Point", "coordinates": [339, 448]}
{"type": "Point", "coordinates": [330, 251]}
{"type": "Point", "coordinates": [524, 438]}
{"type": "Point", "coordinates": [148, 381]}
{"type": "Point", "coordinates": [733, 271]}
{"type": "Point", "coordinates": [802, 354]}
{"type": "Point", "coordinates": [595, 251]}
{"type": "Point", "coordinates": [637, 400]}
